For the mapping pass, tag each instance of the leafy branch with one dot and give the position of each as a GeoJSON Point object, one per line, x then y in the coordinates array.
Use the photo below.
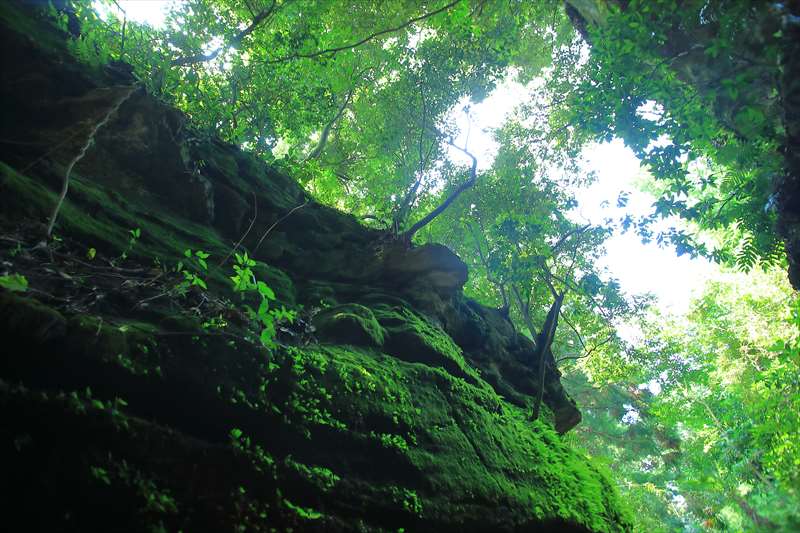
{"type": "Point", "coordinates": [235, 41]}
{"type": "Point", "coordinates": [334, 50]}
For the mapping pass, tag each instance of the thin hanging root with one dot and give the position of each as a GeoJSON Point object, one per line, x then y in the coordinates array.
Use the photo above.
{"type": "Point", "coordinates": [272, 227]}
{"type": "Point", "coordinates": [246, 233]}
{"type": "Point", "coordinates": [82, 153]}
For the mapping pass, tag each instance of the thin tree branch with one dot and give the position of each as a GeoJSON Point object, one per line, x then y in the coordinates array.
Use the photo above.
{"type": "Point", "coordinates": [408, 235]}
{"type": "Point", "coordinates": [124, 25]}
{"type": "Point", "coordinates": [323, 139]}
{"type": "Point", "coordinates": [332, 51]}
{"type": "Point", "coordinates": [524, 311]}
{"type": "Point", "coordinates": [547, 280]}
{"type": "Point", "coordinates": [411, 194]}
{"type": "Point", "coordinates": [567, 235]}
{"type": "Point", "coordinates": [494, 281]}
{"type": "Point", "coordinates": [235, 41]}
{"type": "Point", "coordinates": [589, 352]}
{"type": "Point", "coordinates": [575, 330]}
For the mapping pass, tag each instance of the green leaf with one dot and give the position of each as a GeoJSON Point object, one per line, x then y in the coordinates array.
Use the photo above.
{"type": "Point", "coordinates": [303, 512]}
{"type": "Point", "coordinates": [267, 336]}
{"type": "Point", "coordinates": [265, 291]}
{"type": "Point", "coordinates": [262, 310]}
{"type": "Point", "coordinates": [14, 282]}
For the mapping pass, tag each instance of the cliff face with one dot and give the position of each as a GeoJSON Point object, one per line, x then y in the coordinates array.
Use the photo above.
{"type": "Point", "coordinates": [134, 401]}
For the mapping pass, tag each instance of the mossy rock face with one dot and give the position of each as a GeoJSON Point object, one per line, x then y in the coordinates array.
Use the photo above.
{"type": "Point", "coordinates": [453, 456]}
{"type": "Point", "coordinates": [413, 338]}
{"type": "Point", "coordinates": [29, 318]}
{"type": "Point", "coordinates": [349, 324]}
{"type": "Point", "coordinates": [398, 331]}
{"type": "Point", "coordinates": [279, 282]}
{"type": "Point", "coordinates": [130, 399]}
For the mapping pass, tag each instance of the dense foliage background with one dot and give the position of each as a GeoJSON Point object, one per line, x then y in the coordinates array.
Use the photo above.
{"type": "Point", "coordinates": [697, 413]}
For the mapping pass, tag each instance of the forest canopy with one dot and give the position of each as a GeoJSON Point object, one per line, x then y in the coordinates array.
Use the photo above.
{"type": "Point", "coordinates": [368, 104]}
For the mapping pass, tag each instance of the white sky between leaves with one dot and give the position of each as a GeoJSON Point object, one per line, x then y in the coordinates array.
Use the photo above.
{"type": "Point", "coordinates": [638, 267]}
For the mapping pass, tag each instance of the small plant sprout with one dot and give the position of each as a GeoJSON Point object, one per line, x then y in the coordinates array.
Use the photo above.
{"type": "Point", "coordinates": [193, 278]}
{"type": "Point", "coordinates": [133, 237]}
{"type": "Point", "coordinates": [244, 281]}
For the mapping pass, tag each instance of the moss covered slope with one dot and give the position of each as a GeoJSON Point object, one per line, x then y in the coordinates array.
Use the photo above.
{"type": "Point", "coordinates": [391, 402]}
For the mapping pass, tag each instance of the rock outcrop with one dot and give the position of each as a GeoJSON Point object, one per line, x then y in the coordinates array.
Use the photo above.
{"type": "Point", "coordinates": [134, 401]}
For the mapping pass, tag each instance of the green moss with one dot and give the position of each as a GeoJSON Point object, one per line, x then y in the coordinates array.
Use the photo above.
{"type": "Point", "coordinates": [24, 198]}
{"type": "Point", "coordinates": [126, 344]}
{"type": "Point", "coordinates": [349, 324]}
{"type": "Point", "coordinates": [318, 293]}
{"type": "Point", "coordinates": [472, 447]}
{"type": "Point", "coordinates": [400, 395]}
{"type": "Point", "coordinates": [103, 220]}
{"type": "Point", "coordinates": [412, 338]}
{"type": "Point", "coordinates": [30, 318]}
{"type": "Point", "coordinates": [35, 24]}
{"type": "Point", "coordinates": [449, 449]}
{"type": "Point", "coordinates": [216, 156]}
{"type": "Point", "coordinates": [108, 229]}
{"type": "Point", "coordinates": [320, 478]}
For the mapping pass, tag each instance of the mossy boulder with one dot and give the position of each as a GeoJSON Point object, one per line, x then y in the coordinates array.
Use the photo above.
{"type": "Point", "coordinates": [451, 447]}
{"type": "Point", "coordinates": [349, 324]}
{"type": "Point", "coordinates": [398, 331]}
{"type": "Point", "coordinates": [413, 338]}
